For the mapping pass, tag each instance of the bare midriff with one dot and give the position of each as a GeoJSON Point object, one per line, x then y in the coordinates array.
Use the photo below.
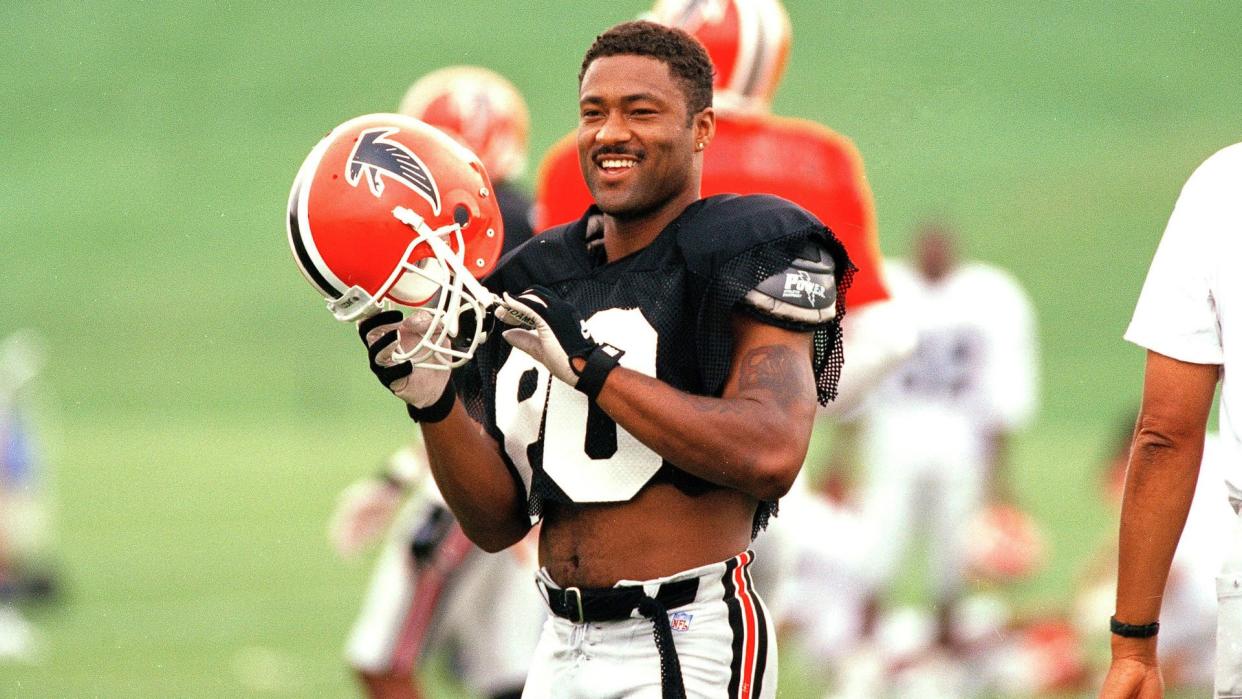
{"type": "Point", "coordinates": [660, 532]}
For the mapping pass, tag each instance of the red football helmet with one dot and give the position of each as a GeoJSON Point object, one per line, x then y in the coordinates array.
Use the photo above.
{"type": "Point", "coordinates": [479, 108]}
{"type": "Point", "coordinates": [387, 208]}
{"type": "Point", "coordinates": [1004, 544]}
{"type": "Point", "coordinates": [748, 41]}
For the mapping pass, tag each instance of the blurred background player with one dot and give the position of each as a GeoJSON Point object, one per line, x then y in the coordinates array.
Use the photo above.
{"type": "Point", "coordinates": [432, 590]}
{"type": "Point", "coordinates": [487, 114]}
{"type": "Point", "coordinates": [25, 510]}
{"type": "Point", "coordinates": [934, 436]}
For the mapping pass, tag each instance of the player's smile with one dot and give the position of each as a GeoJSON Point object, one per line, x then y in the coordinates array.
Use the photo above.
{"type": "Point", "coordinates": [615, 165]}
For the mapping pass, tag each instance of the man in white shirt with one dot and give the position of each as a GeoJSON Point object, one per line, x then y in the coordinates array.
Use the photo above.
{"type": "Point", "coordinates": [1186, 320]}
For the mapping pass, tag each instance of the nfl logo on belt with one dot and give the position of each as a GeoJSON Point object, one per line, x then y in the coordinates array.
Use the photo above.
{"type": "Point", "coordinates": [680, 621]}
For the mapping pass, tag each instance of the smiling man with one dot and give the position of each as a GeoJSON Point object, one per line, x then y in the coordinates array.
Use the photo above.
{"type": "Point", "coordinates": [652, 397]}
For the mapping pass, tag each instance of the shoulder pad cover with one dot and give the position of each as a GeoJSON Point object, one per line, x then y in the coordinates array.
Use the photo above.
{"type": "Point", "coordinates": [805, 293]}
{"type": "Point", "coordinates": [728, 225]}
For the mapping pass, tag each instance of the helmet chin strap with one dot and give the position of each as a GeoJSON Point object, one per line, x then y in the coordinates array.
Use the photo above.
{"type": "Point", "coordinates": [354, 305]}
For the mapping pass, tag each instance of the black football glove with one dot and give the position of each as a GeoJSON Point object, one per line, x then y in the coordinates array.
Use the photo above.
{"type": "Point", "coordinates": [552, 331]}
{"type": "Point", "coordinates": [428, 393]}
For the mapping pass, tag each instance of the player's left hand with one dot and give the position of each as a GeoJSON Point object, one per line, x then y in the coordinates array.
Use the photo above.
{"type": "Point", "coordinates": [552, 331]}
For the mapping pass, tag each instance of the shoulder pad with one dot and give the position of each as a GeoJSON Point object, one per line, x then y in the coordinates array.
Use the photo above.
{"type": "Point", "coordinates": [727, 225]}
{"type": "Point", "coordinates": [805, 293]}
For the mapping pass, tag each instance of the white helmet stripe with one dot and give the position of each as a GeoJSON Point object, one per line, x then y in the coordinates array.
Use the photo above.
{"type": "Point", "coordinates": [748, 48]}
{"type": "Point", "coordinates": [300, 239]}
{"type": "Point", "coordinates": [774, 27]}
{"type": "Point", "coordinates": [299, 250]}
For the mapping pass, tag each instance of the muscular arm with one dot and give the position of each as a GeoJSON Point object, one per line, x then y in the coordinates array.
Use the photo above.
{"type": "Point", "coordinates": [753, 438]}
{"type": "Point", "coordinates": [1160, 482]}
{"type": "Point", "coordinates": [475, 482]}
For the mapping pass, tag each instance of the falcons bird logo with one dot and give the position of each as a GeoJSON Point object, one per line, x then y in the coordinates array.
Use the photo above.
{"type": "Point", "coordinates": [377, 157]}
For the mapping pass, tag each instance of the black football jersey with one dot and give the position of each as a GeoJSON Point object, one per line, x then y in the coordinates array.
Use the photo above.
{"type": "Point", "coordinates": [669, 307]}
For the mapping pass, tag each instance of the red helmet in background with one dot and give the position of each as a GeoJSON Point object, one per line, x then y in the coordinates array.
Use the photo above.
{"type": "Point", "coordinates": [479, 108]}
{"type": "Point", "coordinates": [748, 41]}
{"type": "Point", "coordinates": [387, 208]}
{"type": "Point", "coordinates": [1004, 544]}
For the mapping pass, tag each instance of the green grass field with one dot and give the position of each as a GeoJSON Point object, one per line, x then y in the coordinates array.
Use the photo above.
{"type": "Point", "coordinates": [210, 410]}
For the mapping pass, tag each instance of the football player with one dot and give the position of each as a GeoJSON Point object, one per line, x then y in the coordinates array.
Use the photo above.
{"type": "Point", "coordinates": [755, 151]}
{"type": "Point", "coordinates": [434, 591]}
{"type": "Point", "coordinates": [650, 393]}
{"type": "Point", "coordinates": [431, 589]}
{"type": "Point", "coordinates": [24, 506]}
{"type": "Point", "coordinates": [934, 436]}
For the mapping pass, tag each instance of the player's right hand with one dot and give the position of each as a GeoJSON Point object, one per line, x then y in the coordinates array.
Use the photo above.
{"type": "Point", "coordinates": [363, 512]}
{"type": "Point", "coordinates": [381, 333]}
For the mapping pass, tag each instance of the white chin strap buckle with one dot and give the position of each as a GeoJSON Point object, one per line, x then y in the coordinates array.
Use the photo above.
{"type": "Point", "coordinates": [354, 305]}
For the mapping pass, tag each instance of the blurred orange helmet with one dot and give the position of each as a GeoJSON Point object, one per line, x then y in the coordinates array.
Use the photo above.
{"type": "Point", "coordinates": [748, 41]}
{"type": "Point", "coordinates": [1004, 544]}
{"type": "Point", "coordinates": [479, 108]}
{"type": "Point", "coordinates": [1047, 657]}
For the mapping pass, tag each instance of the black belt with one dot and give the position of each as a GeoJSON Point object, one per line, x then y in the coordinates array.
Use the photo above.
{"type": "Point", "coordinates": [581, 605]}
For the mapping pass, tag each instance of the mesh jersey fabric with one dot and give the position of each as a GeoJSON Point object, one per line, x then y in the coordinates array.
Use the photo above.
{"type": "Point", "coordinates": [686, 283]}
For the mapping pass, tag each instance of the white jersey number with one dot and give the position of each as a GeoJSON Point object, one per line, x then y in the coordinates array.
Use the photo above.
{"type": "Point", "coordinates": [584, 451]}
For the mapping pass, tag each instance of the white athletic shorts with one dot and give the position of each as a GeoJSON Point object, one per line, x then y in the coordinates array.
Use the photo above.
{"type": "Point", "coordinates": [725, 643]}
{"type": "Point", "coordinates": [480, 606]}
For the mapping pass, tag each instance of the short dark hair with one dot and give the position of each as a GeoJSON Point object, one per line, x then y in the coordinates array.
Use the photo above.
{"type": "Point", "coordinates": [686, 58]}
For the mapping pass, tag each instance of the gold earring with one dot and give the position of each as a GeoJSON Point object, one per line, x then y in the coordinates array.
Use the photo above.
{"type": "Point", "coordinates": [699, 146]}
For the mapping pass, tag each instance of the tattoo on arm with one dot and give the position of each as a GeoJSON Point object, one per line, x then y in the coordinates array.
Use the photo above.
{"type": "Point", "coordinates": [776, 369]}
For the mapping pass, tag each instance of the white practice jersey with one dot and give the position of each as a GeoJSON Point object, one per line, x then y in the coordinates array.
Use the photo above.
{"type": "Point", "coordinates": [973, 369]}
{"type": "Point", "coordinates": [1187, 308]}
{"type": "Point", "coordinates": [1189, 311]}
